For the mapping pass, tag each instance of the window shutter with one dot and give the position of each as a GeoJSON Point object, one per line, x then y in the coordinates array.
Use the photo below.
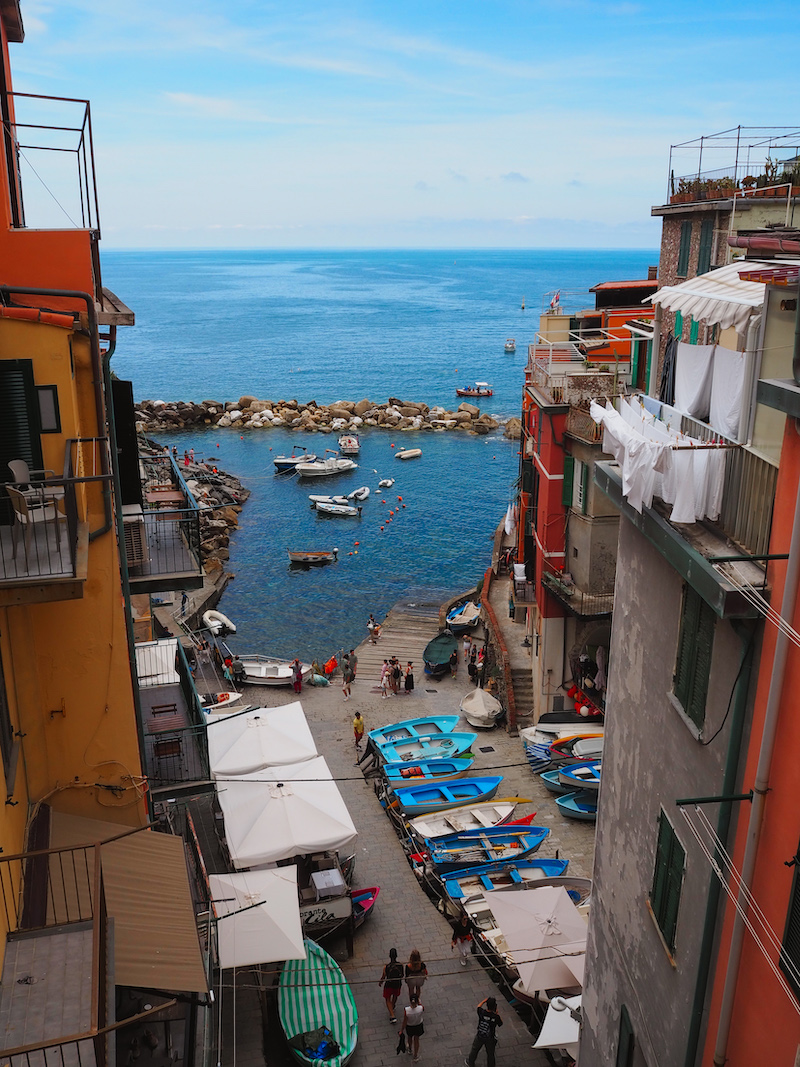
{"type": "Point", "coordinates": [790, 950]}
{"type": "Point", "coordinates": [584, 486]}
{"type": "Point", "coordinates": [679, 324]}
{"type": "Point", "coordinates": [706, 238]}
{"type": "Point", "coordinates": [673, 895]}
{"type": "Point", "coordinates": [627, 1041]}
{"type": "Point", "coordinates": [694, 332]}
{"type": "Point", "coordinates": [19, 422]}
{"type": "Point", "coordinates": [566, 487]}
{"type": "Point", "coordinates": [703, 648]}
{"type": "Point", "coordinates": [683, 253]}
{"type": "Point", "coordinates": [658, 895]}
{"type": "Point", "coordinates": [690, 617]}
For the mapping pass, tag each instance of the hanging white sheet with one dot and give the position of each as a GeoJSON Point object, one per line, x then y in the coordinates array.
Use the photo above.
{"type": "Point", "coordinates": [726, 391]}
{"type": "Point", "coordinates": [693, 369]}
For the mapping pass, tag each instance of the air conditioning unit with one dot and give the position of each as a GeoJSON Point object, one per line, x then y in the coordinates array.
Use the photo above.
{"type": "Point", "coordinates": [135, 536]}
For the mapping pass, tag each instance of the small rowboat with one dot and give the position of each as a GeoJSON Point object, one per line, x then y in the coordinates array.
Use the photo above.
{"type": "Point", "coordinates": [359, 494]}
{"type": "Point", "coordinates": [438, 652]}
{"type": "Point", "coordinates": [473, 850]}
{"type": "Point", "coordinates": [408, 453]}
{"type": "Point", "coordinates": [315, 499]}
{"type": "Point", "coordinates": [581, 806]}
{"type": "Point", "coordinates": [264, 670]}
{"type": "Point", "coordinates": [578, 748]}
{"type": "Point", "coordinates": [386, 483]}
{"type": "Point", "coordinates": [439, 746]}
{"type": "Point", "coordinates": [218, 623]}
{"type": "Point", "coordinates": [342, 510]}
{"type": "Point", "coordinates": [442, 795]}
{"type": "Point", "coordinates": [475, 881]}
{"type": "Point", "coordinates": [424, 727]}
{"type": "Point", "coordinates": [463, 617]}
{"type": "Point", "coordinates": [324, 555]}
{"type": "Point", "coordinates": [313, 993]}
{"type": "Point", "coordinates": [422, 771]}
{"type": "Point", "coordinates": [478, 389]}
{"type": "Point", "coordinates": [218, 701]}
{"type": "Point", "coordinates": [581, 776]}
{"type": "Point", "coordinates": [363, 903]}
{"type": "Point", "coordinates": [551, 781]}
{"type": "Point", "coordinates": [474, 818]}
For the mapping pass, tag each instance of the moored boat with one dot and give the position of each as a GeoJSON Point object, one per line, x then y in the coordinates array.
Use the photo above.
{"type": "Point", "coordinates": [463, 618]}
{"type": "Point", "coordinates": [581, 806]}
{"type": "Point", "coordinates": [364, 901]}
{"type": "Point", "coordinates": [288, 463]}
{"type": "Point", "coordinates": [320, 498]}
{"type": "Point", "coordinates": [510, 345]}
{"type": "Point", "coordinates": [359, 494]}
{"type": "Point", "coordinates": [550, 780]}
{"type": "Point", "coordinates": [477, 390]}
{"type": "Point", "coordinates": [581, 776]}
{"type": "Point", "coordinates": [323, 555]}
{"type": "Point", "coordinates": [475, 881]}
{"type": "Point", "coordinates": [474, 818]}
{"type": "Point", "coordinates": [386, 483]}
{"type": "Point", "coordinates": [421, 727]}
{"type": "Point", "coordinates": [418, 772]}
{"type": "Point", "coordinates": [217, 623]}
{"type": "Point", "coordinates": [323, 468]}
{"type": "Point", "coordinates": [438, 652]}
{"type": "Point", "coordinates": [313, 994]}
{"type": "Point", "coordinates": [439, 746]}
{"type": "Point", "coordinates": [408, 453]}
{"type": "Point", "coordinates": [442, 795]}
{"type": "Point", "coordinates": [472, 850]}
{"type": "Point", "coordinates": [266, 670]}
{"type": "Point", "coordinates": [349, 444]}
{"type": "Point", "coordinates": [340, 510]}
{"type": "Point", "coordinates": [481, 709]}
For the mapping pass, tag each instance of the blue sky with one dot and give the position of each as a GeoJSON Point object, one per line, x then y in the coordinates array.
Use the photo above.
{"type": "Point", "coordinates": [467, 123]}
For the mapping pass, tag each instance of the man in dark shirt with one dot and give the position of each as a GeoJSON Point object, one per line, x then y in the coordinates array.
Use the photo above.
{"type": "Point", "coordinates": [488, 1021]}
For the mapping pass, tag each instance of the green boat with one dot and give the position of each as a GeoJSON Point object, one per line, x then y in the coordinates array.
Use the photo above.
{"type": "Point", "coordinates": [316, 1005]}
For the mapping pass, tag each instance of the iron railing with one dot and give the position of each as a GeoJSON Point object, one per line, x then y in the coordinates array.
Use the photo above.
{"type": "Point", "coordinates": [576, 601]}
{"type": "Point", "coordinates": [747, 158]}
{"type": "Point", "coordinates": [581, 424]}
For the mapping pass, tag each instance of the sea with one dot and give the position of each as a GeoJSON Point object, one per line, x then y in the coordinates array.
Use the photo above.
{"type": "Point", "coordinates": [345, 325]}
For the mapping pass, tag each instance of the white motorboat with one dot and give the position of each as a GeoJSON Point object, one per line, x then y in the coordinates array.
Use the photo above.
{"type": "Point", "coordinates": [322, 468]}
{"type": "Point", "coordinates": [288, 463]}
{"type": "Point", "coordinates": [323, 555]}
{"type": "Point", "coordinates": [510, 345]}
{"type": "Point", "coordinates": [408, 453]}
{"type": "Point", "coordinates": [218, 623]}
{"type": "Point", "coordinates": [349, 444]}
{"type": "Point", "coordinates": [338, 509]}
{"type": "Point", "coordinates": [481, 709]}
{"type": "Point", "coordinates": [359, 494]}
{"type": "Point", "coordinates": [218, 701]}
{"type": "Point", "coordinates": [386, 483]}
{"type": "Point", "coordinates": [317, 499]}
{"type": "Point", "coordinates": [266, 670]}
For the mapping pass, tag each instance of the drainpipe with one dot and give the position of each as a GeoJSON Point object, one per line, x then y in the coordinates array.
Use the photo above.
{"type": "Point", "coordinates": [752, 363]}
{"type": "Point", "coordinates": [747, 637]}
{"type": "Point", "coordinates": [760, 788]}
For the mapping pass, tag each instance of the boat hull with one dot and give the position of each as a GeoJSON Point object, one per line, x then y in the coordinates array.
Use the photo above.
{"type": "Point", "coordinates": [440, 796]}
{"type": "Point", "coordinates": [408, 728]}
{"type": "Point", "coordinates": [475, 881]}
{"type": "Point", "coordinates": [408, 453]}
{"type": "Point", "coordinates": [434, 770]}
{"type": "Point", "coordinates": [460, 851]}
{"type": "Point", "coordinates": [581, 806]}
{"type": "Point", "coordinates": [314, 993]}
{"type": "Point", "coordinates": [364, 901]}
{"type": "Point", "coordinates": [580, 776]}
{"type": "Point", "coordinates": [469, 818]}
{"type": "Point", "coordinates": [260, 670]}
{"type": "Point", "coordinates": [324, 556]}
{"type": "Point", "coordinates": [441, 746]}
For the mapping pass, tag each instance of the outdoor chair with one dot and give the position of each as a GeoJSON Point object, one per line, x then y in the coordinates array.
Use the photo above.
{"type": "Point", "coordinates": [27, 517]}
{"type": "Point", "coordinates": [35, 488]}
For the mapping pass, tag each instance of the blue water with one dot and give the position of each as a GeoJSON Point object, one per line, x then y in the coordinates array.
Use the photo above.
{"type": "Point", "coordinates": [345, 325]}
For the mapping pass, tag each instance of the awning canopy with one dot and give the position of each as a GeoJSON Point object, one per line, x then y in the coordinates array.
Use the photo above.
{"type": "Point", "coordinates": [560, 1028]}
{"type": "Point", "coordinates": [281, 812]}
{"type": "Point", "coordinates": [258, 917]}
{"type": "Point", "coordinates": [718, 297]}
{"type": "Point", "coordinates": [266, 737]}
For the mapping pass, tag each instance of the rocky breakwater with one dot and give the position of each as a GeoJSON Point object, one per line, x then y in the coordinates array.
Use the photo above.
{"type": "Point", "coordinates": [252, 414]}
{"type": "Point", "coordinates": [220, 497]}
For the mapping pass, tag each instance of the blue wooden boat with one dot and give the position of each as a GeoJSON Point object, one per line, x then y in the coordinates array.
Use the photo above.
{"type": "Point", "coordinates": [440, 746]}
{"type": "Point", "coordinates": [582, 806]}
{"type": "Point", "coordinates": [418, 772]}
{"type": "Point", "coordinates": [440, 796]}
{"type": "Point", "coordinates": [403, 731]}
{"type": "Point", "coordinates": [437, 654]}
{"type": "Point", "coordinates": [581, 776]}
{"type": "Point", "coordinates": [463, 618]}
{"type": "Point", "coordinates": [457, 851]}
{"type": "Point", "coordinates": [471, 881]}
{"type": "Point", "coordinates": [551, 781]}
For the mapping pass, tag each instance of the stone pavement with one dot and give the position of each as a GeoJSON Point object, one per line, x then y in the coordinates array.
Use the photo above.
{"type": "Point", "coordinates": [404, 916]}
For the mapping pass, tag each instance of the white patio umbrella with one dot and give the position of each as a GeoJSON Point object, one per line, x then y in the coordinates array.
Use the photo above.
{"type": "Point", "coordinates": [265, 737]}
{"type": "Point", "coordinates": [545, 934]}
{"type": "Point", "coordinates": [281, 812]}
{"type": "Point", "coordinates": [560, 1028]}
{"type": "Point", "coordinates": [258, 917]}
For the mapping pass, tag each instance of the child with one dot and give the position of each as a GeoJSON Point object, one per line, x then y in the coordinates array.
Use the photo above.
{"type": "Point", "coordinates": [358, 728]}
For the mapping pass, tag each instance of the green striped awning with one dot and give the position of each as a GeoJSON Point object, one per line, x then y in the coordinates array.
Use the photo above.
{"type": "Point", "coordinates": [313, 992]}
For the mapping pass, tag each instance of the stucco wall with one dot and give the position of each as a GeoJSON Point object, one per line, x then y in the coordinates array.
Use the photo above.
{"type": "Point", "coordinates": [650, 759]}
{"type": "Point", "coordinates": [592, 552]}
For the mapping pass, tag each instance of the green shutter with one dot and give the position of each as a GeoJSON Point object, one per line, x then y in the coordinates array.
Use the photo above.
{"type": "Point", "coordinates": [627, 1041]}
{"type": "Point", "coordinates": [693, 660]}
{"type": "Point", "coordinates": [683, 253]}
{"type": "Point", "coordinates": [584, 487]}
{"type": "Point", "coordinates": [706, 238]}
{"type": "Point", "coordinates": [694, 332]}
{"type": "Point", "coordinates": [659, 893]}
{"type": "Point", "coordinates": [569, 475]}
{"type": "Point", "coordinates": [667, 880]}
{"type": "Point", "coordinates": [679, 324]}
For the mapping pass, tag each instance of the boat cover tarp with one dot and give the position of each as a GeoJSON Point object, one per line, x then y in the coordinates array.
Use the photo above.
{"type": "Point", "coordinates": [440, 649]}
{"type": "Point", "coordinates": [313, 993]}
{"type": "Point", "coordinates": [264, 737]}
{"type": "Point", "coordinates": [258, 917]}
{"type": "Point", "coordinates": [718, 296]}
{"type": "Point", "coordinates": [468, 615]}
{"type": "Point", "coordinates": [281, 812]}
{"type": "Point", "coordinates": [481, 705]}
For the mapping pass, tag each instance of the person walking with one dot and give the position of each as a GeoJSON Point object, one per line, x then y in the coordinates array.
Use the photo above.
{"type": "Point", "coordinates": [416, 973]}
{"type": "Point", "coordinates": [488, 1021]}
{"type": "Point", "coordinates": [358, 728]}
{"type": "Point", "coordinates": [462, 937]}
{"type": "Point", "coordinates": [297, 675]}
{"type": "Point", "coordinates": [409, 682]}
{"type": "Point", "coordinates": [396, 674]}
{"type": "Point", "coordinates": [347, 678]}
{"type": "Point", "coordinates": [353, 663]}
{"type": "Point", "coordinates": [413, 1025]}
{"type": "Point", "coordinates": [392, 981]}
{"type": "Point", "coordinates": [385, 680]}
{"type": "Point", "coordinates": [454, 662]}
{"type": "Point", "coordinates": [467, 644]}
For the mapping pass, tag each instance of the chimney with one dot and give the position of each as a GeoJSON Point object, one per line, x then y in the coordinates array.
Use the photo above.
{"type": "Point", "coordinates": [652, 274]}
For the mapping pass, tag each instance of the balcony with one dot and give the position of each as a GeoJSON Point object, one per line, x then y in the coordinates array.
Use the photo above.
{"type": "Point", "coordinates": [575, 600]}
{"type": "Point", "coordinates": [558, 370]}
{"type": "Point", "coordinates": [162, 538]}
{"type": "Point", "coordinates": [45, 525]}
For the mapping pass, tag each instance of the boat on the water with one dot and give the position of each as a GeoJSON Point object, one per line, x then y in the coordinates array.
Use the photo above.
{"type": "Point", "coordinates": [481, 709]}
{"type": "Point", "coordinates": [437, 653]}
{"type": "Point", "coordinates": [581, 805]}
{"type": "Point", "coordinates": [471, 850]}
{"type": "Point", "coordinates": [288, 463]}
{"type": "Point", "coordinates": [510, 345]}
{"type": "Point", "coordinates": [313, 995]}
{"type": "Point", "coordinates": [581, 776]}
{"type": "Point", "coordinates": [473, 818]}
{"type": "Point", "coordinates": [463, 618]}
{"type": "Point", "coordinates": [422, 727]}
{"type": "Point", "coordinates": [317, 498]}
{"type": "Point", "coordinates": [323, 468]}
{"type": "Point", "coordinates": [359, 494]}
{"type": "Point", "coordinates": [477, 390]}
{"type": "Point", "coordinates": [439, 796]}
{"type": "Point", "coordinates": [349, 444]}
{"type": "Point", "coordinates": [408, 453]}
{"type": "Point", "coordinates": [386, 483]}
{"type": "Point", "coordinates": [363, 903]}
{"type": "Point", "coordinates": [418, 772]}
{"type": "Point", "coordinates": [217, 623]}
{"type": "Point", "coordinates": [438, 746]}
{"type": "Point", "coordinates": [266, 670]}
{"type": "Point", "coordinates": [341, 510]}
{"type": "Point", "coordinates": [475, 881]}
{"type": "Point", "coordinates": [323, 555]}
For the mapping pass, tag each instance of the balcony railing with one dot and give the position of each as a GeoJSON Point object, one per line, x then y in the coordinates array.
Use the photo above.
{"type": "Point", "coordinates": [580, 424]}
{"type": "Point", "coordinates": [577, 602]}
